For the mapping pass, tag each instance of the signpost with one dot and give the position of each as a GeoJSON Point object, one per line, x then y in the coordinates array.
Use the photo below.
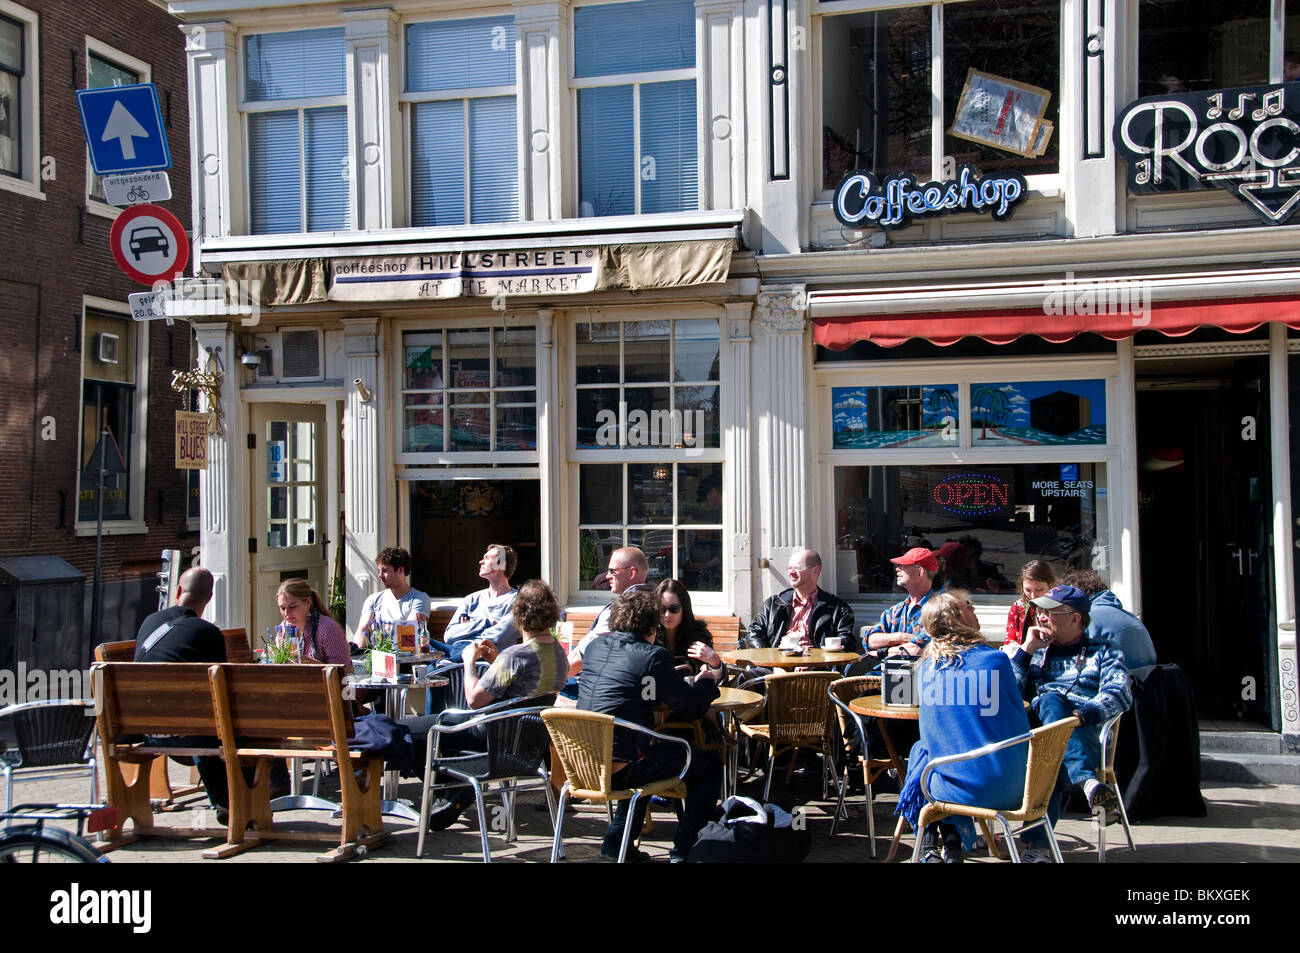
{"type": "Point", "coordinates": [149, 243]}
{"type": "Point", "coordinates": [124, 129]}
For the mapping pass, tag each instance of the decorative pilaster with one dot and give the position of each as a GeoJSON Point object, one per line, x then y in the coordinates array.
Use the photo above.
{"type": "Point", "coordinates": [541, 34]}
{"type": "Point", "coordinates": [1090, 51]}
{"type": "Point", "coordinates": [781, 363]}
{"type": "Point", "coordinates": [216, 171]}
{"type": "Point", "coordinates": [720, 55]}
{"type": "Point", "coordinates": [738, 470]}
{"type": "Point", "coordinates": [374, 141]}
{"type": "Point", "coordinates": [223, 486]}
{"type": "Point", "coordinates": [550, 445]}
{"type": "Point", "coordinates": [364, 450]}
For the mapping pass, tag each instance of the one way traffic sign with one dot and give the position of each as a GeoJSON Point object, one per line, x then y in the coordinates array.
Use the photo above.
{"type": "Point", "coordinates": [124, 129]}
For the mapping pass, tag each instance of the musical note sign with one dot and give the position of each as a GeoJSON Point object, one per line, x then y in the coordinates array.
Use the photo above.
{"type": "Point", "coordinates": [1245, 140]}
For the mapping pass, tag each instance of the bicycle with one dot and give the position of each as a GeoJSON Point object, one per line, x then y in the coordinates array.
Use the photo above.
{"type": "Point", "coordinates": [38, 843]}
{"type": "Point", "coordinates": [137, 194]}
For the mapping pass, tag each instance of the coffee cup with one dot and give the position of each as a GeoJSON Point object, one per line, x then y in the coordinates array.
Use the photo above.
{"type": "Point", "coordinates": [833, 643]}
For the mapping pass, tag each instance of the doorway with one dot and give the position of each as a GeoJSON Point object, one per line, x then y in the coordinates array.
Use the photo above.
{"type": "Point", "coordinates": [1204, 502]}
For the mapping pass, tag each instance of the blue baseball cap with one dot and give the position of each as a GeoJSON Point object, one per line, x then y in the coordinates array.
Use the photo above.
{"type": "Point", "coordinates": [1068, 596]}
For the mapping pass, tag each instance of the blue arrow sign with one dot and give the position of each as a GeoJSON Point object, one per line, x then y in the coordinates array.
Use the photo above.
{"type": "Point", "coordinates": [124, 129]}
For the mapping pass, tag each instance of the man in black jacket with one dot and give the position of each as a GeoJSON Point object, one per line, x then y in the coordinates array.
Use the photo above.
{"type": "Point", "coordinates": [626, 676]}
{"type": "Point", "coordinates": [805, 610]}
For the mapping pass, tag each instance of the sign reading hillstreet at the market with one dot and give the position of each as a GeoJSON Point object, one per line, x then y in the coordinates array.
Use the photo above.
{"type": "Point", "coordinates": [474, 274]}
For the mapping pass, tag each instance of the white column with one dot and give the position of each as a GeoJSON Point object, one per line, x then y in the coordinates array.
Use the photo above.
{"type": "Point", "coordinates": [1092, 51]}
{"type": "Point", "coordinates": [364, 449]}
{"type": "Point", "coordinates": [738, 470]}
{"type": "Point", "coordinates": [374, 127]}
{"type": "Point", "coordinates": [541, 41]}
{"type": "Point", "coordinates": [223, 487]}
{"type": "Point", "coordinates": [1125, 570]}
{"type": "Point", "coordinates": [780, 362]}
{"type": "Point", "coordinates": [550, 456]}
{"type": "Point", "coordinates": [216, 169]}
{"type": "Point", "coordinates": [1283, 534]}
{"type": "Point", "coordinates": [778, 64]}
{"type": "Point", "coordinates": [720, 56]}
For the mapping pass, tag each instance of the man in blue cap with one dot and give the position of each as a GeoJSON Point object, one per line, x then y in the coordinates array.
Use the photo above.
{"type": "Point", "coordinates": [1063, 673]}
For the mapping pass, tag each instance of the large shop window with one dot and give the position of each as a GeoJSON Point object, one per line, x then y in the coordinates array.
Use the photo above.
{"type": "Point", "coordinates": [295, 108]}
{"type": "Point", "coordinates": [469, 390]}
{"type": "Point", "coordinates": [454, 521]}
{"type": "Point", "coordinates": [1200, 44]}
{"type": "Point", "coordinates": [460, 81]}
{"type": "Point", "coordinates": [109, 417]}
{"type": "Point", "coordinates": [634, 70]}
{"type": "Point", "coordinates": [998, 95]}
{"type": "Point", "coordinates": [999, 515]}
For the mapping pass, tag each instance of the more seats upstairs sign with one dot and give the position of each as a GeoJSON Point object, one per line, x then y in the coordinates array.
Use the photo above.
{"type": "Point", "coordinates": [1245, 140]}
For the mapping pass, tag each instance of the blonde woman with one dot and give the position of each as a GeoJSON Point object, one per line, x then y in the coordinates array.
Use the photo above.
{"type": "Point", "coordinates": [968, 699]}
{"type": "Point", "coordinates": [322, 639]}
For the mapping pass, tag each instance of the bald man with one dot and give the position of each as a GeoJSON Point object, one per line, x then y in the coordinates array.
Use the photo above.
{"type": "Point", "coordinates": [805, 610]}
{"type": "Point", "coordinates": [177, 634]}
{"type": "Point", "coordinates": [627, 572]}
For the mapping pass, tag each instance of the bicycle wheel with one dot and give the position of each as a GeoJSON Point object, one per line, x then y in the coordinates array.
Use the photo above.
{"type": "Point", "coordinates": [51, 845]}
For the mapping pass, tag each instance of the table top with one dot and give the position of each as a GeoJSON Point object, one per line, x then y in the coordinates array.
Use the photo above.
{"type": "Point", "coordinates": [874, 707]}
{"type": "Point", "coordinates": [775, 658]}
{"type": "Point", "coordinates": [378, 681]}
{"type": "Point", "coordinates": [735, 699]}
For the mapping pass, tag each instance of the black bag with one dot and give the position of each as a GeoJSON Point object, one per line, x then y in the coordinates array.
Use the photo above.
{"type": "Point", "coordinates": [747, 832]}
{"type": "Point", "coordinates": [380, 735]}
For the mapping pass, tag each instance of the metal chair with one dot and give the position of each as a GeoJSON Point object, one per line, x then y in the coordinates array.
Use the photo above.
{"type": "Point", "coordinates": [798, 710]}
{"type": "Point", "coordinates": [841, 692]}
{"type": "Point", "coordinates": [584, 741]}
{"type": "Point", "coordinates": [1045, 753]}
{"type": "Point", "coordinates": [517, 745]}
{"type": "Point", "coordinates": [1106, 775]}
{"type": "Point", "coordinates": [56, 733]}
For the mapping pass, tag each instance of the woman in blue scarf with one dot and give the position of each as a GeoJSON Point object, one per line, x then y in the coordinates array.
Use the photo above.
{"type": "Point", "coordinates": [968, 698]}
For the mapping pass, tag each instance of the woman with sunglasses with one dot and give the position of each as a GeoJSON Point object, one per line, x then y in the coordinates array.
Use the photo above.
{"type": "Point", "coordinates": [678, 627]}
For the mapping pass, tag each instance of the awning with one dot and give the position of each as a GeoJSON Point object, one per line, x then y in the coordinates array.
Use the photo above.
{"type": "Point", "coordinates": [1057, 321]}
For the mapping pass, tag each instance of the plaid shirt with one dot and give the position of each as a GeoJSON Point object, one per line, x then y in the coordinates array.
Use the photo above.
{"type": "Point", "coordinates": [901, 617]}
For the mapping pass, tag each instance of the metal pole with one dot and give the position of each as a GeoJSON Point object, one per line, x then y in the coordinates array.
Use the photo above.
{"type": "Point", "coordinates": [99, 538]}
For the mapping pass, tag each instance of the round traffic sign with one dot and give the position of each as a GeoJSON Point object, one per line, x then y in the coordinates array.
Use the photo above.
{"type": "Point", "coordinates": [149, 243]}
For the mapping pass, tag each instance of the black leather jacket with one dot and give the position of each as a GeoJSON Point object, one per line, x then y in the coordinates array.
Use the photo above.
{"type": "Point", "coordinates": [830, 616]}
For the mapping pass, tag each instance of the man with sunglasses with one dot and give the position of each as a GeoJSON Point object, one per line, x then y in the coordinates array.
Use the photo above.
{"type": "Point", "coordinates": [1063, 673]}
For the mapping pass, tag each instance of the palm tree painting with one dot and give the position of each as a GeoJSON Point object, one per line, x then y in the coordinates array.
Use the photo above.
{"type": "Point", "coordinates": [992, 403]}
{"type": "Point", "coordinates": [940, 401]}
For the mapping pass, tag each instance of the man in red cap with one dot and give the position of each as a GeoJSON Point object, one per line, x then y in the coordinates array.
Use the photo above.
{"type": "Point", "coordinates": [900, 624]}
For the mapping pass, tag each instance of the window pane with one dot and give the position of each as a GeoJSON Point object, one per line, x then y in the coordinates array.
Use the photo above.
{"type": "Point", "coordinates": [517, 428]}
{"type": "Point", "coordinates": [294, 65]}
{"type": "Point", "coordinates": [594, 548]}
{"type": "Point", "coordinates": [11, 45]}
{"type": "Point", "coordinates": [10, 124]}
{"type": "Point", "coordinates": [668, 161]}
{"type": "Point", "coordinates": [105, 406]}
{"type": "Point", "coordinates": [597, 357]}
{"type": "Point", "coordinates": [422, 426]}
{"type": "Point", "coordinates": [516, 357]}
{"type": "Point", "coordinates": [469, 360]}
{"type": "Point", "coordinates": [876, 94]}
{"type": "Point", "coordinates": [634, 37]}
{"type": "Point", "coordinates": [695, 350]}
{"type": "Point", "coordinates": [1199, 44]}
{"type": "Point", "coordinates": [871, 418]}
{"type": "Point", "coordinates": [100, 73]}
{"type": "Point", "coordinates": [649, 493]}
{"type": "Point", "coordinates": [470, 428]}
{"type": "Point", "coordinates": [607, 183]}
{"type": "Point", "coordinates": [649, 419]}
{"type": "Point", "coordinates": [597, 414]}
{"type": "Point", "coordinates": [699, 553]}
{"type": "Point", "coordinates": [646, 350]}
{"type": "Point", "coordinates": [494, 176]}
{"type": "Point", "coordinates": [423, 362]}
{"type": "Point", "coordinates": [326, 137]}
{"type": "Point", "coordinates": [1038, 413]}
{"type": "Point", "coordinates": [274, 178]}
{"type": "Point", "coordinates": [698, 409]}
{"type": "Point", "coordinates": [657, 544]}
{"type": "Point", "coordinates": [1018, 41]}
{"type": "Point", "coordinates": [459, 54]}
{"type": "Point", "coordinates": [699, 492]}
{"type": "Point", "coordinates": [438, 163]}
{"type": "Point", "coordinates": [600, 493]}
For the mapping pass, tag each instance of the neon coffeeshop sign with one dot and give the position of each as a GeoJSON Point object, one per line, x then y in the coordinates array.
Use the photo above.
{"type": "Point", "coordinates": [862, 200]}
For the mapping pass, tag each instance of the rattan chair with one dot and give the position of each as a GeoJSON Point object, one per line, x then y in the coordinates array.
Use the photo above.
{"type": "Point", "coordinates": [1045, 753]}
{"type": "Point", "coordinates": [517, 744]}
{"type": "Point", "coordinates": [584, 741]}
{"type": "Point", "coordinates": [56, 733]}
{"type": "Point", "coordinates": [1109, 743]}
{"type": "Point", "coordinates": [841, 692]}
{"type": "Point", "coordinates": [798, 714]}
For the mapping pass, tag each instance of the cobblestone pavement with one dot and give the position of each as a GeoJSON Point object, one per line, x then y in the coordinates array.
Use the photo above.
{"type": "Point", "coordinates": [1245, 823]}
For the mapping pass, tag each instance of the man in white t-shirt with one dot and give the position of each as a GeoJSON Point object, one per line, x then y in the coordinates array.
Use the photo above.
{"type": "Point", "coordinates": [485, 616]}
{"type": "Point", "coordinates": [397, 601]}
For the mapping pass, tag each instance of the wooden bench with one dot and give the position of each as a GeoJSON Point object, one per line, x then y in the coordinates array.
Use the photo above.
{"type": "Point", "coordinates": [237, 647]}
{"type": "Point", "coordinates": [266, 712]}
{"type": "Point", "coordinates": [725, 629]}
{"type": "Point", "coordinates": [148, 698]}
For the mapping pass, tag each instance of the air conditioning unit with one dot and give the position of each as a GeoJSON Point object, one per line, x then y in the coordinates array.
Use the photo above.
{"type": "Point", "coordinates": [302, 355]}
{"type": "Point", "coordinates": [107, 347]}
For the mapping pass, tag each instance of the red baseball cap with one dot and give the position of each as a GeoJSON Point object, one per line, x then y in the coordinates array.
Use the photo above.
{"type": "Point", "coordinates": [918, 556]}
{"type": "Point", "coordinates": [948, 548]}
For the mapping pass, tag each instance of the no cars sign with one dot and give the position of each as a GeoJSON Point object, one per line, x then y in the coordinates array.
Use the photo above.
{"type": "Point", "coordinates": [149, 243]}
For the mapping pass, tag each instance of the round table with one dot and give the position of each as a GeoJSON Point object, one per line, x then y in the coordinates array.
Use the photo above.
{"type": "Point", "coordinates": [775, 658]}
{"type": "Point", "coordinates": [873, 706]}
{"type": "Point", "coordinates": [729, 702]}
{"type": "Point", "coordinates": [396, 703]}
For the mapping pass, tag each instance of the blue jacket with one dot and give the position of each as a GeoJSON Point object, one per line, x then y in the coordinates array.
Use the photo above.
{"type": "Point", "coordinates": [1098, 688]}
{"type": "Point", "coordinates": [1115, 625]}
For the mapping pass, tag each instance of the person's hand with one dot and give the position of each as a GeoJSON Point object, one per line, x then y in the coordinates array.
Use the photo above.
{"type": "Point", "coordinates": [463, 618]}
{"type": "Point", "coordinates": [1035, 638]}
{"type": "Point", "coordinates": [705, 654]}
{"type": "Point", "coordinates": [488, 651]}
{"type": "Point", "coordinates": [894, 650]}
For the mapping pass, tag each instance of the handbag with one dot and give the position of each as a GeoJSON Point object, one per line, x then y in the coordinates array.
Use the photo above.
{"type": "Point", "coordinates": [750, 832]}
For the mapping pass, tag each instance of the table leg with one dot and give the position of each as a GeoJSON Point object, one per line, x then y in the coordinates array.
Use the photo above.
{"type": "Point", "coordinates": [902, 777]}
{"type": "Point", "coordinates": [391, 805]}
{"type": "Point", "coordinates": [296, 800]}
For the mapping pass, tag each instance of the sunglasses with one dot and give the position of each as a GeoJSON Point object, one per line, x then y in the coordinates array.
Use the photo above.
{"type": "Point", "coordinates": [672, 610]}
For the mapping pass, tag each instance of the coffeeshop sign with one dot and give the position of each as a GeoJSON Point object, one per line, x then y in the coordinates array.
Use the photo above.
{"type": "Point", "coordinates": [1245, 140]}
{"type": "Point", "coordinates": [862, 200]}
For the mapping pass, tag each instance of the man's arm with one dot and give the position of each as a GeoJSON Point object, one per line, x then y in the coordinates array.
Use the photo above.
{"type": "Point", "coordinates": [844, 627]}
{"type": "Point", "coordinates": [462, 618]}
{"type": "Point", "coordinates": [671, 688]}
{"type": "Point", "coordinates": [883, 635]}
{"type": "Point", "coordinates": [757, 635]}
{"type": "Point", "coordinates": [367, 614]}
{"type": "Point", "coordinates": [479, 692]}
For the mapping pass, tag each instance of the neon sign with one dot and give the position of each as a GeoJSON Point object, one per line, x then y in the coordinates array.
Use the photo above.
{"type": "Point", "coordinates": [896, 201]}
{"type": "Point", "coordinates": [972, 494]}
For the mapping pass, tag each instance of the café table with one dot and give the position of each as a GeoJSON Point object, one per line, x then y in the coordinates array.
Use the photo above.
{"type": "Point", "coordinates": [873, 706]}
{"type": "Point", "coordinates": [728, 704]}
{"type": "Point", "coordinates": [779, 659]}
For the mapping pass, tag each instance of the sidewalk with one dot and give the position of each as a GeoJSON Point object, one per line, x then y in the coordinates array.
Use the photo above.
{"type": "Point", "coordinates": [1245, 823]}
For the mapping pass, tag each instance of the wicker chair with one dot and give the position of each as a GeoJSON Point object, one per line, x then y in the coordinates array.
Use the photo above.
{"type": "Point", "coordinates": [1109, 744]}
{"type": "Point", "coordinates": [584, 741]}
{"type": "Point", "coordinates": [57, 733]}
{"type": "Point", "coordinates": [841, 692]}
{"type": "Point", "coordinates": [798, 710]}
{"type": "Point", "coordinates": [1045, 754]}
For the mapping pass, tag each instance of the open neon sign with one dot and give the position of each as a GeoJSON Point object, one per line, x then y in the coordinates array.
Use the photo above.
{"type": "Point", "coordinates": [972, 494]}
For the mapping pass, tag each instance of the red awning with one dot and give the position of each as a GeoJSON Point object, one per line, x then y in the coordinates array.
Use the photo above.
{"type": "Point", "coordinates": [1174, 318]}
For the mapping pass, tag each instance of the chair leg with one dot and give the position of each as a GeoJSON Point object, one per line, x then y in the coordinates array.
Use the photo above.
{"type": "Point", "coordinates": [1123, 817]}
{"type": "Point", "coordinates": [1010, 838]}
{"type": "Point", "coordinates": [1051, 841]}
{"type": "Point", "coordinates": [557, 846]}
{"type": "Point", "coordinates": [990, 841]}
{"type": "Point", "coordinates": [424, 805]}
{"type": "Point", "coordinates": [839, 806]}
{"type": "Point", "coordinates": [9, 788]}
{"type": "Point", "coordinates": [627, 828]}
{"type": "Point", "coordinates": [482, 821]}
{"type": "Point", "coordinates": [1099, 814]}
{"type": "Point", "coordinates": [871, 812]}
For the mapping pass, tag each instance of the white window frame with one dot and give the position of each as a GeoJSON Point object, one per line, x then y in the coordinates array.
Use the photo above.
{"type": "Point", "coordinates": [29, 181]}
{"type": "Point", "coordinates": [94, 203]}
{"type": "Point", "coordinates": [407, 98]}
{"type": "Point", "coordinates": [135, 523]}
{"type": "Point", "coordinates": [636, 81]}
{"type": "Point", "coordinates": [249, 107]}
